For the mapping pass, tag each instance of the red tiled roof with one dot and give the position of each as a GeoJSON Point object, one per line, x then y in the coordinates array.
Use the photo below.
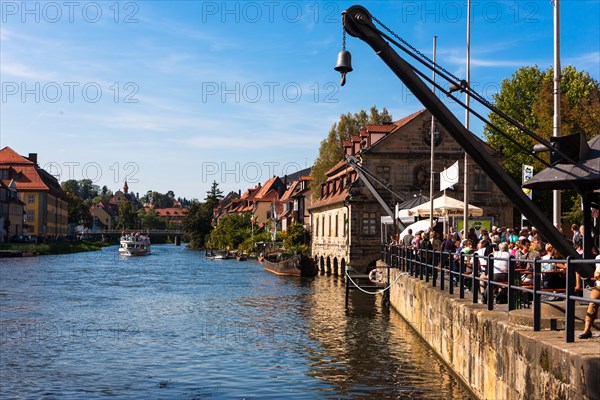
{"type": "Point", "coordinates": [30, 177]}
{"type": "Point", "coordinates": [338, 197]}
{"type": "Point", "coordinates": [266, 188]}
{"type": "Point", "coordinates": [171, 212]}
{"type": "Point", "coordinates": [9, 156]}
{"type": "Point", "coordinates": [385, 128]}
{"type": "Point", "coordinates": [409, 118]}
{"type": "Point", "coordinates": [336, 167]}
{"type": "Point", "coordinates": [288, 193]}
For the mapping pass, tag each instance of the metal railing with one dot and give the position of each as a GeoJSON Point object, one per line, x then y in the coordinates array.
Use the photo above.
{"type": "Point", "coordinates": [451, 270]}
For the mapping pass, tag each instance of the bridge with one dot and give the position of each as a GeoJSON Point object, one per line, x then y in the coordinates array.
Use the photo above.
{"type": "Point", "coordinates": [161, 232]}
{"type": "Point", "coordinates": [157, 235]}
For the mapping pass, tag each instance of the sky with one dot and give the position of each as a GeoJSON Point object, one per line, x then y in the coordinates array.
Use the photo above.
{"type": "Point", "coordinates": [173, 95]}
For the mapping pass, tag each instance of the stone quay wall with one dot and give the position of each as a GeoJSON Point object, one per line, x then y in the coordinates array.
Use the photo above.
{"type": "Point", "coordinates": [494, 359]}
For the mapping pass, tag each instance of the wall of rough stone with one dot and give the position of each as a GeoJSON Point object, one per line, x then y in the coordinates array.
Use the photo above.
{"type": "Point", "coordinates": [493, 358]}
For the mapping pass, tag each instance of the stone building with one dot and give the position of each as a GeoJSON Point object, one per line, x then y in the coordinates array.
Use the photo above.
{"type": "Point", "coordinates": [346, 218]}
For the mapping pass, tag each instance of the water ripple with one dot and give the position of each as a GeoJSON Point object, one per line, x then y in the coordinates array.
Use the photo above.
{"type": "Point", "coordinates": [175, 325]}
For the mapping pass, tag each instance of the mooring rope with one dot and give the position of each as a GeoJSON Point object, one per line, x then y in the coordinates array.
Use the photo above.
{"type": "Point", "coordinates": [377, 292]}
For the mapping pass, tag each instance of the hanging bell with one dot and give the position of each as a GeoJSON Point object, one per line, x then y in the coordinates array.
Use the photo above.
{"type": "Point", "coordinates": [344, 64]}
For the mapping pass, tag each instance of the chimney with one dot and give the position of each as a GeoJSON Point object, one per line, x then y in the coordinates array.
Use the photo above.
{"type": "Point", "coordinates": [33, 158]}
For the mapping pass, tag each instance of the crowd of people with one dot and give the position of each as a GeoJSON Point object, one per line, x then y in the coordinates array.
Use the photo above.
{"type": "Point", "coordinates": [525, 245]}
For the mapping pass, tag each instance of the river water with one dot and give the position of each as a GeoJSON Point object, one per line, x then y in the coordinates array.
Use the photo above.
{"type": "Point", "coordinates": [175, 325]}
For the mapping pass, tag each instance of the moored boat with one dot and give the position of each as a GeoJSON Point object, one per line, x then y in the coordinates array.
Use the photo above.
{"type": "Point", "coordinates": [293, 265]}
{"type": "Point", "coordinates": [134, 245]}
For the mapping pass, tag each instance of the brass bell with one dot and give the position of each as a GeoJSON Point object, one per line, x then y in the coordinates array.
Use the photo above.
{"type": "Point", "coordinates": [344, 64]}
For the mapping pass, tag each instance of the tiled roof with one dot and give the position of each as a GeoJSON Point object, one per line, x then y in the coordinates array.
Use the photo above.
{"type": "Point", "coordinates": [336, 167]}
{"type": "Point", "coordinates": [409, 118]}
{"type": "Point", "coordinates": [386, 128]}
{"type": "Point", "coordinates": [266, 188]}
{"type": "Point", "coordinates": [171, 212]}
{"type": "Point", "coordinates": [28, 176]}
{"type": "Point", "coordinates": [338, 197]}
{"type": "Point", "coordinates": [9, 156]}
{"type": "Point", "coordinates": [288, 193]}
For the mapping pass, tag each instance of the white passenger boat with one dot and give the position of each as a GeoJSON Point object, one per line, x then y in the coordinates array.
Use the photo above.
{"type": "Point", "coordinates": [134, 245]}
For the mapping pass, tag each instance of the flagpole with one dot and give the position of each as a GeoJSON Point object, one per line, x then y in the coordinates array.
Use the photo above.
{"type": "Point", "coordinates": [432, 143]}
{"type": "Point", "coordinates": [556, 210]}
{"type": "Point", "coordinates": [467, 118]}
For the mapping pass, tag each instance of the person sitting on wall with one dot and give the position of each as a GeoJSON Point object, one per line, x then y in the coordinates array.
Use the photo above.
{"type": "Point", "coordinates": [550, 278]}
{"type": "Point", "coordinates": [501, 258]}
{"type": "Point", "coordinates": [592, 311]}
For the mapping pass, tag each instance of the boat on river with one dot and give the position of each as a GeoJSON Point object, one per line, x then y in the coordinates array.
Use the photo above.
{"type": "Point", "coordinates": [289, 265]}
{"type": "Point", "coordinates": [134, 245]}
{"type": "Point", "coordinates": [213, 255]}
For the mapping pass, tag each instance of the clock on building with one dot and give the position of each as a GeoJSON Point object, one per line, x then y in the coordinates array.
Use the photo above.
{"type": "Point", "coordinates": [437, 134]}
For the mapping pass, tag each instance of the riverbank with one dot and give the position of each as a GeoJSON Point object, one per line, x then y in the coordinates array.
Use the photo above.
{"type": "Point", "coordinates": [495, 357]}
{"type": "Point", "coordinates": [45, 249]}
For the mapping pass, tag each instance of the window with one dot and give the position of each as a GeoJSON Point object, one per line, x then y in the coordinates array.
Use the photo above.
{"type": "Point", "coordinates": [30, 216]}
{"type": "Point", "coordinates": [323, 225]}
{"type": "Point", "coordinates": [30, 199]}
{"type": "Point", "coordinates": [383, 173]}
{"type": "Point", "coordinates": [329, 230]}
{"type": "Point", "coordinates": [369, 223]}
{"type": "Point", "coordinates": [4, 173]}
{"type": "Point", "coordinates": [316, 226]}
{"type": "Point", "coordinates": [345, 226]}
{"type": "Point", "coordinates": [337, 225]}
{"type": "Point", "coordinates": [480, 184]}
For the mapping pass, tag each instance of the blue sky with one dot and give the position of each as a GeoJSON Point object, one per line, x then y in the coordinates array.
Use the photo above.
{"type": "Point", "coordinates": [175, 94]}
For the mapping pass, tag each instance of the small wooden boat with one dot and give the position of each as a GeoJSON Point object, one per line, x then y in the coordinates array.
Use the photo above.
{"type": "Point", "coordinates": [292, 265]}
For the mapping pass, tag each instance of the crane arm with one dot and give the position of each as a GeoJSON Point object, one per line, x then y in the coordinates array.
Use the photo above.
{"type": "Point", "coordinates": [353, 162]}
{"type": "Point", "coordinates": [358, 22]}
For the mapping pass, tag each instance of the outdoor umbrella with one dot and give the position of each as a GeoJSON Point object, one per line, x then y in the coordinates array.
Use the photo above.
{"type": "Point", "coordinates": [445, 206]}
{"type": "Point", "coordinates": [421, 225]}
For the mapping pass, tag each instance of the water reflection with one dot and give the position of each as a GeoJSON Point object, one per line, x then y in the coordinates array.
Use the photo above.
{"type": "Point", "coordinates": [174, 325]}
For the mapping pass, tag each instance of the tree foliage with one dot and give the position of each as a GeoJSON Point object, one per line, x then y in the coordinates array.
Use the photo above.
{"type": "Point", "coordinates": [527, 97]}
{"type": "Point", "coordinates": [331, 150]}
{"type": "Point", "coordinates": [159, 200]}
{"type": "Point", "coordinates": [213, 196]}
{"type": "Point", "coordinates": [127, 216]}
{"type": "Point", "coordinates": [150, 220]}
{"type": "Point", "coordinates": [78, 211]}
{"type": "Point", "coordinates": [197, 225]}
{"type": "Point", "coordinates": [84, 188]}
{"type": "Point", "coordinates": [231, 231]}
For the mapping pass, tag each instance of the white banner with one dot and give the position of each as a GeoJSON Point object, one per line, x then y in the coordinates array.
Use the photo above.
{"type": "Point", "coordinates": [449, 176]}
{"type": "Point", "coordinates": [527, 175]}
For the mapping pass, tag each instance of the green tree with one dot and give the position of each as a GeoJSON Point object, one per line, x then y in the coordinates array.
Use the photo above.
{"type": "Point", "coordinates": [127, 216]}
{"type": "Point", "coordinates": [150, 220]}
{"type": "Point", "coordinates": [197, 225]}
{"type": "Point", "coordinates": [231, 231]}
{"type": "Point", "coordinates": [297, 238]}
{"type": "Point", "coordinates": [213, 196]}
{"type": "Point", "coordinates": [78, 213]}
{"type": "Point", "coordinates": [527, 97]}
{"type": "Point", "coordinates": [331, 150]}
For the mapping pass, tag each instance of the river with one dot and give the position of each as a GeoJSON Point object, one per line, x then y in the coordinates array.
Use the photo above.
{"type": "Point", "coordinates": [175, 325]}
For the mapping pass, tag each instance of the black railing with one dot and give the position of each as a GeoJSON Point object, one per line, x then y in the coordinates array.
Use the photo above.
{"type": "Point", "coordinates": [462, 271]}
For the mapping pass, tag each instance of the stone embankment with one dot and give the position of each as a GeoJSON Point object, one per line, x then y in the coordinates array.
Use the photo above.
{"type": "Point", "coordinates": [496, 356]}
